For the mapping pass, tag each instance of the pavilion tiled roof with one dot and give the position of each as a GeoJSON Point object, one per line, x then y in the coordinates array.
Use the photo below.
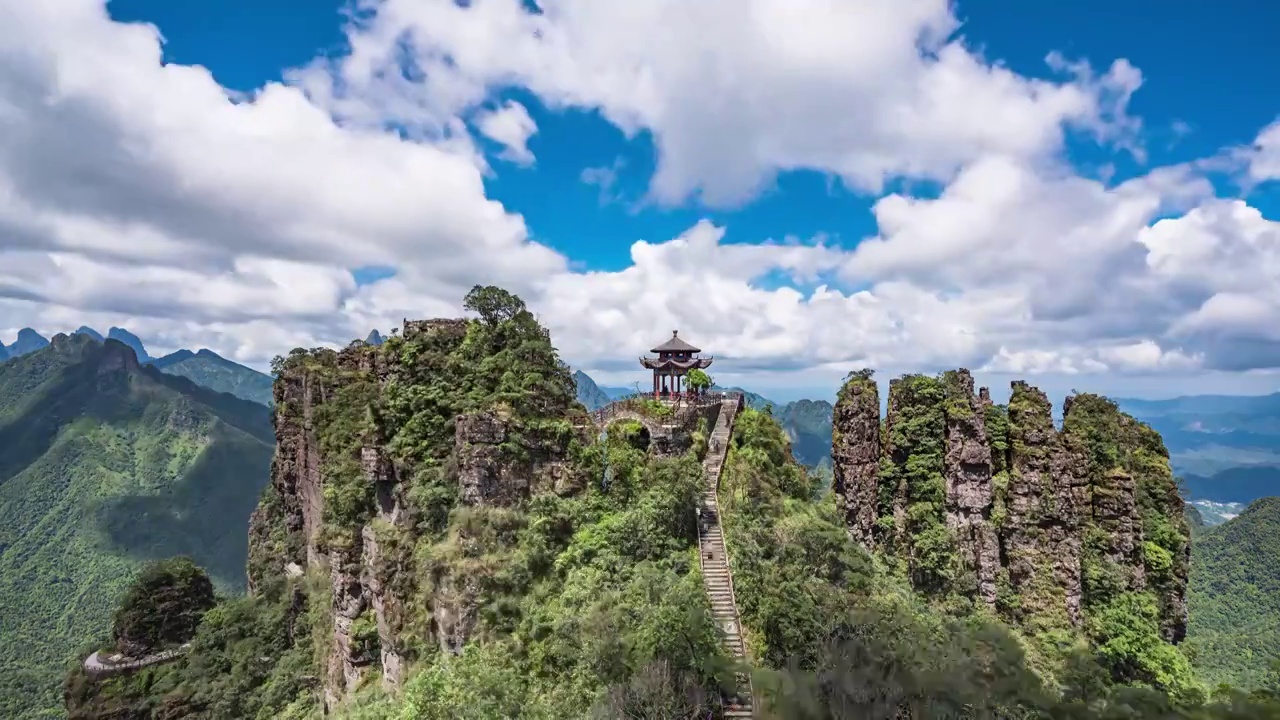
{"type": "Point", "coordinates": [675, 344]}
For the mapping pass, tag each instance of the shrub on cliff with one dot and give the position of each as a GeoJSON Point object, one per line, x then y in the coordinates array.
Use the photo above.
{"type": "Point", "coordinates": [162, 607]}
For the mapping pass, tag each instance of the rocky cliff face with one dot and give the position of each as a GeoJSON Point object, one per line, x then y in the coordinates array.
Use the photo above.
{"type": "Point", "coordinates": [1045, 500]}
{"type": "Point", "coordinates": [995, 504]}
{"type": "Point", "coordinates": [855, 454]}
{"type": "Point", "coordinates": [968, 480]}
{"type": "Point", "coordinates": [375, 445]}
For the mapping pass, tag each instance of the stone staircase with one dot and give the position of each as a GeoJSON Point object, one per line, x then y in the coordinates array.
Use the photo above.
{"type": "Point", "coordinates": [717, 579]}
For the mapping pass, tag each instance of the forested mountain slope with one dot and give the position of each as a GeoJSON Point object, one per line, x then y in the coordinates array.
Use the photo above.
{"type": "Point", "coordinates": [105, 464]}
{"type": "Point", "coordinates": [1234, 634]}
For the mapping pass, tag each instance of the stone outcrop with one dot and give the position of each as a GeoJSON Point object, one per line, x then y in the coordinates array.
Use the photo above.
{"type": "Point", "coordinates": [347, 662]}
{"type": "Point", "coordinates": [498, 467]}
{"type": "Point", "coordinates": [1030, 511]}
{"type": "Point", "coordinates": [483, 478]}
{"type": "Point", "coordinates": [967, 478]}
{"type": "Point", "coordinates": [1046, 501]}
{"type": "Point", "coordinates": [855, 454]}
{"type": "Point", "coordinates": [892, 494]}
{"type": "Point", "coordinates": [1114, 505]}
{"type": "Point", "coordinates": [375, 583]}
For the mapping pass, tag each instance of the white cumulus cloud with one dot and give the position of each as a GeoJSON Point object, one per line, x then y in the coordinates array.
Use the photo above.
{"type": "Point", "coordinates": [145, 195]}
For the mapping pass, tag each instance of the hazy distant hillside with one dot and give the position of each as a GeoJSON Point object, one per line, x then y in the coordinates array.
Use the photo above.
{"type": "Point", "coordinates": [589, 394]}
{"type": "Point", "coordinates": [208, 369]}
{"type": "Point", "coordinates": [808, 424]}
{"type": "Point", "coordinates": [28, 341]}
{"type": "Point", "coordinates": [205, 368]}
{"type": "Point", "coordinates": [132, 341]}
{"type": "Point", "coordinates": [105, 463]}
{"type": "Point", "coordinates": [1226, 448]}
{"type": "Point", "coordinates": [1216, 513]}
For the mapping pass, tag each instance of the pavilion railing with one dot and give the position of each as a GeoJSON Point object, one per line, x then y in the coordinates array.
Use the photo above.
{"type": "Point", "coordinates": [638, 400]}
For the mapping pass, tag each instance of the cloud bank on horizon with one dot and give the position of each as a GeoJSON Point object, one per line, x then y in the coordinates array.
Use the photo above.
{"type": "Point", "coordinates": [144, 194]}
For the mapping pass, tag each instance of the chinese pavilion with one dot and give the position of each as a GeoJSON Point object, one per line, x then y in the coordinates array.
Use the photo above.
{"type": "Point", "coordinates": [675, 359]}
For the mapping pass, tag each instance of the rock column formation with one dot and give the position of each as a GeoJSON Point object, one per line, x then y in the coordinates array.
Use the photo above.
{"type": "Point", "coordinates": [362, 564]}
{"type": "Point", "coordinates": [1046, 501]}
{"type": "Point", "coordinates": [967, 474]}
{"type": "Point", "coordinates": [855, 454]}
{"type": "Point", "coordinates": [891, 523]}
{"type": "Point", "coordinates": [331, 439]}
{"type": "Point", "coordinates": [1115, 511]}
{"type": "Point", "coordinates": [997, 504]}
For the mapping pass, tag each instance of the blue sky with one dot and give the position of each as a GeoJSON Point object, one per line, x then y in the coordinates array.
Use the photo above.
{"type": "Point", "coordinates": [1080, 193]}
{"type": "Point", "coordinates": [1204, 67]}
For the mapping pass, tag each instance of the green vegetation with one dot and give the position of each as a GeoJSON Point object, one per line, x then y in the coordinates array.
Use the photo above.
{"type": "Point", "coordinates": [1234, 599]}
{"type": "Point", "coordinates": [250, 658]}
{"type": "Point", "coordinates": [162, 607]}
{"type": "Point", "coordinates": [210, 370]}
{"type": "Point", "coordinates": [104, 466]}
{"type": "Point", "coordinates": [1122, 451]}
{"type": "Point", "coordinates": [912, 486]}
{"type": "Point", "coordinates": [698, 379]}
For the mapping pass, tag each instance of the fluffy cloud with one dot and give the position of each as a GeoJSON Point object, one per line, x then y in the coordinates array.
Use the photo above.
{"type": "Point", "coordinates": [733, 93]}
{"type": "Point", "coordinates": [511, 126]}
{"type": "Point", "coordinates": [145, 195]}
{"type": "Point", "coordinates": [149, 191]}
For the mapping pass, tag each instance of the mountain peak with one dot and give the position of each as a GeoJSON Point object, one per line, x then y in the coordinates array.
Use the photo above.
{"type": "Point", "coordinates": [374, 338]}
{"type": "Point", "coordinates": [28, 341]}
{"type": "Point", "coordinates": [121, 335]}
{"type": "Point", "coordinates": [117, 356]}
{"type": "Point", "coordinates": [89, 332]}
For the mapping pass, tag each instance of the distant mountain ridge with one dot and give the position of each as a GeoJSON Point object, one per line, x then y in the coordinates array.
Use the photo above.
{"type": "Point", "coordinates": [106, 463]}
{"type": "Point", "coordinates": [204, 367]}
{"type": "Point", "coordinates": [28, 341]}
{"type": "Point", "coordinates": [1225, 447]}
{"type": "Point", "coordinates": [211, 370]}
{"type": "Point", "coordinates": [128, 338]}
{"type": "Point", "coordinates": [590, 394]}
